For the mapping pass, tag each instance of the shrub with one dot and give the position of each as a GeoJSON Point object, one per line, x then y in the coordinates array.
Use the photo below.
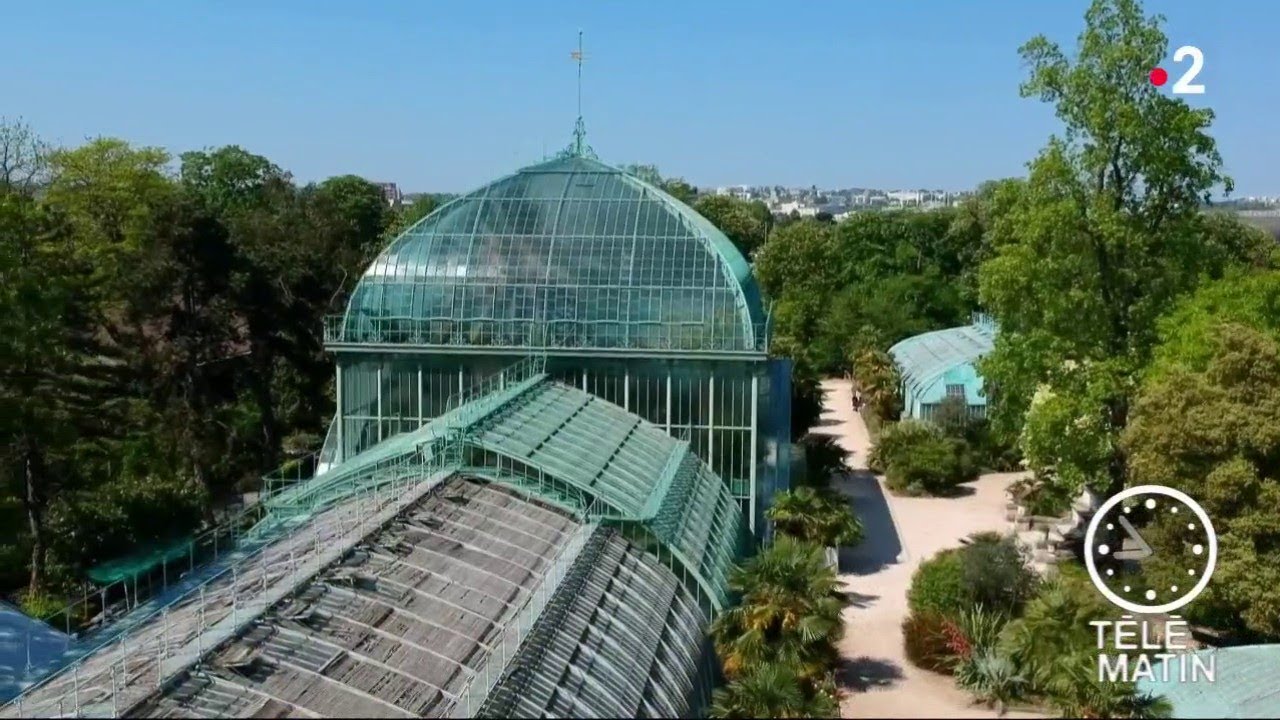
{"type": "Point", "coordinates": [981, 627]}
{"type": "Point", "coordinates": [938, 585]}
{"type": "Point", "coordinates": [929, 641]}
{"type": "Point", "coordinates": [992, 679]}
{"type": "Point", "coordinates": [40, 605]}
{"type": "Point", "coordinates": [918, 458]}
{"type": "Point", "coordinates": [995, 573]}
{"type": "Point", "coordinates": [897, 440]}
{"type": "Point", "coordinates": [990, 572]}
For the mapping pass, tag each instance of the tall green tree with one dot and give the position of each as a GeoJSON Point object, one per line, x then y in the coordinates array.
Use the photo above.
{"type": "Point", "coordinates": [1209, 425]}
{"type": "Point", "coordinates": [46, 403]}
{"type": "Point", "coordinates": [746, 222]}
{"type": "Point", "coordinates": [254, 201]}
{"type": "Point", "coordinates": [1107, 230]}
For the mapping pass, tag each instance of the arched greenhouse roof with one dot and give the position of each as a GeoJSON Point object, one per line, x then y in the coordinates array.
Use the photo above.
{"type": "Point", "coordinates": [566, 253]}
{"type": "Point", "coordinates": [922, 359]}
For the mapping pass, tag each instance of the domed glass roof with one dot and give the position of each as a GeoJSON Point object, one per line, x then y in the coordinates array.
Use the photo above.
{"type": "Point", "coordinates": [567, 253]}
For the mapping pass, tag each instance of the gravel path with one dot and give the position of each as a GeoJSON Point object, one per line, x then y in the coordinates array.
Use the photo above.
{"type": "Point", "coordinates": [900, 532]}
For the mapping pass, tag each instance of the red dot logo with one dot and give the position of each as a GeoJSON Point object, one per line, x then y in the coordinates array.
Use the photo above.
{"type": "Point", "coordinates": [1159, 77]}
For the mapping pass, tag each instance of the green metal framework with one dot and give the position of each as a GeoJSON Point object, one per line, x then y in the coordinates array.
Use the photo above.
{"type": "Point", "coordinates": [564, 446]}
{"type": "Point", "coordinates": [631, 295]}
{"type": "Point", "coordinates": [570, 253]}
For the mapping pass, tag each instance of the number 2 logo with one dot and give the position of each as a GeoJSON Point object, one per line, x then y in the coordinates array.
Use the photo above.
{"type": "Point", "coordinates": [1185, 86]}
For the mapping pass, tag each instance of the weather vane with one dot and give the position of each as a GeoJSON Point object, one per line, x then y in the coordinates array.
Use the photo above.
{"type": "Point", "coordinates": [580, 147]}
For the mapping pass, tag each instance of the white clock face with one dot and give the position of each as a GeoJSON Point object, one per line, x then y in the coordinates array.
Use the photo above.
{"type": "Point", "coordinates": [1112, 540]}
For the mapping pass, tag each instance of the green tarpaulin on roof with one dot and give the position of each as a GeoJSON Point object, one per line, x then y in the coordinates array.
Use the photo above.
{"type": "Point", "coordinates": [139, 563]}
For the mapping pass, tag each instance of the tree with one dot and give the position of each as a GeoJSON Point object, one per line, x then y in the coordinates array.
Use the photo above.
{"type": "Point", "coordinates": [110, 192]}
{"type": "Point", "coordinates": [24, 157]}
{"type": "Point", "coordinates": [816, 516]}
{"type": "Point", "coordinates": [877, 378]}
{"type": "Point", "coordinates": [789, 613]}
{"type": "Point", "coordinates": [675, 187]}
{"type": "Point", "coordinates": [252, 200]}
{"type": "Point", "coordinates": [746, 222]}
{"type": "Point", "coordinates": [773, 690]}
{"type": "Point", "coordinates": [408, 215]}
{"type": "Point", "coordinates": [43, 402]}
{"type": "Point", "coordinates": [1107, 229]}
{"type": "Point", "coordinates": [1211, 428]}
{"type": "Point", "coordinates": [1188, 332]}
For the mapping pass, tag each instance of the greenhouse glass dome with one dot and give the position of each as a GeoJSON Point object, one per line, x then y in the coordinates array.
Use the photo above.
{"type": "Point", "coordinates": [630, 294]}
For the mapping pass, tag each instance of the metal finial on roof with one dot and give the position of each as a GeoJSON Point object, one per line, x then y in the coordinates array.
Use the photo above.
{"type": "Point", "coordinates": [579, 147]}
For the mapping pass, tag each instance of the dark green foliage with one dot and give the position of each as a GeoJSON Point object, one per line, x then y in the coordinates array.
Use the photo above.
{"type": "Point", "coordinates": [789, 612]}
{"type": "Point", "coordinates": [988, 450]}
{"type": "Point", "coordinates": [823, 517]}
{"type": "Point", "coordinates": [806, 400]}
{"type": "Point", "coordinates": [916, 458]}
{"type": "Point", "coordinates": [159, 342]}
{"type": "Point", "coordinates": [773, 690]}
{"type": "Point", "coordinates": [824, 459]}
{"type": "Point", "coordinates": [870, 280]}
{"type": "Point", "coordinates": [1043, 497]}
{"type": "Point", "coordinates": [996, 574]}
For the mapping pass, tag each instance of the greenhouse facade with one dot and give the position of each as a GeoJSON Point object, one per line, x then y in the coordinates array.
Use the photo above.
{"type": "Point", "coordinates": [938, 365]}
{"type": "Point", "coordinates": [630, 295]}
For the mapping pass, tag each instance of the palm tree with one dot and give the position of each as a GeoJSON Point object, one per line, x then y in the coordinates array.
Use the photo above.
{"type": "Point", "coordinates": [789, 613]}
{"type": "Point", "coordinates": [877, 377]}
{"type": "Point", "coordinates": [774, 690]}
{"type": "Point", "coordinates": [816, 516]}
{"type": "Point", "coordinates": [1053, 644]}
{"type": "Point", "coordinates": [1074, 689]}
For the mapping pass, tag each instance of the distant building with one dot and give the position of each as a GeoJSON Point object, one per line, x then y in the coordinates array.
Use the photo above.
{"type": "Point", "coordinates": [939, 365]}
{"type": "Point", "coordinates": [391, 192]}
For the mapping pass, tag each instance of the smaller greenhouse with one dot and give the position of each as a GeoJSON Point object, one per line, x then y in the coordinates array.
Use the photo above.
{"type": "Point", "coordinates": [940, 364]}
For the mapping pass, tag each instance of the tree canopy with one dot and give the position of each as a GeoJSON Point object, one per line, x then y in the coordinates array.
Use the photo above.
{"type": "Point", "coordinates": [1107, 229]}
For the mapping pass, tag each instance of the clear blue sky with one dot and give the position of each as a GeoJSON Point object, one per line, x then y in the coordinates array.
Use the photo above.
{"type": "Point", "coordinates": [443, 96]}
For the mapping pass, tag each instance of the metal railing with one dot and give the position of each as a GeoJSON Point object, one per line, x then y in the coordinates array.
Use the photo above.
{"type": "Point", "coordinates": [98, 607]}
{"type": "Point", "coordinates": [119, 673]}
{"type": "Point", "coordinates": [658, 336]}
{"type": "Point", "coordinates": [509, 375]}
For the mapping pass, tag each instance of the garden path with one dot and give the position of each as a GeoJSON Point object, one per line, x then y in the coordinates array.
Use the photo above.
{"type": "Point", "coordinates": [900, 532]}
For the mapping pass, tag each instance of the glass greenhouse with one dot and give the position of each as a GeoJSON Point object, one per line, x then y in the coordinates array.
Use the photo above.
{"type": "Point", "coordinates": [629, 293]}
{"type": "Point", "coordinates": [939, 365]}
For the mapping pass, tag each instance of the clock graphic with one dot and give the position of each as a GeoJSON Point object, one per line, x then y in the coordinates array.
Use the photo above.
{"type": "Point", "coordinates": [1112, 540]}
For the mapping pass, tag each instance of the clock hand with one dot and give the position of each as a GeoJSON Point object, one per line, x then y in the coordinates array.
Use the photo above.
{"type": "Point", "coordinates": [1143, 550]}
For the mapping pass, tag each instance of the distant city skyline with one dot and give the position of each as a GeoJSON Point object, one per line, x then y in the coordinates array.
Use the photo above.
{"type": "Point", "coordinates": [443, 98]}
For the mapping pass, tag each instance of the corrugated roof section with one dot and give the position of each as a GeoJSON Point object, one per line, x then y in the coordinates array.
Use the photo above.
{"type": "Point", "coordinates": [1246, 684]}
{"type": "Point", "coordinates": [638, 471]}
{"type": "Point", "coordinates": [628, 643]}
